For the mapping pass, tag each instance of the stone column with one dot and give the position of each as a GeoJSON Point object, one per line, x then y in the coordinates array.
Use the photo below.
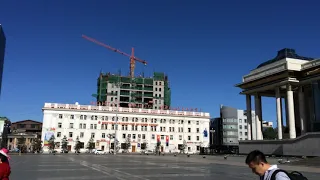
{"type": "Point", "coordinates": [291, 118]}
{"type": "Point", "coordinates": [303, 121]}
{"type": "Point", "coordinates": [279, 112]}
{"type": "Point", "coordinates": [249, 116]}
{"type": "Point", "coordinates": [257, 102]}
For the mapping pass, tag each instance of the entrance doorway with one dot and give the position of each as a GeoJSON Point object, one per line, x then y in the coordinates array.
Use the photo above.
{"type": "Point", "coordinates": [133, 148]}
{"type": "Point", "coordinates": [102, 148]}
{"type": "Point", "coordinates": [69, 147]}
{"type": "Point", "coordinates": [161, 148]}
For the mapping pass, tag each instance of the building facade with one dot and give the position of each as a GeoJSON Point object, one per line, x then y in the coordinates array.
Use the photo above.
{"type": "Point", "coordinates": [2, 53]}
{"type": "Point", "coordinates": [231, 127]}
{"type": "Point", "coordinates": [172, 129]}
{"type": "Point", "coordinates": [139, 92]}
{"type": "Point", "coordinates": [293, 78]}
{"type": "Point", "coordinates": [29, 130]}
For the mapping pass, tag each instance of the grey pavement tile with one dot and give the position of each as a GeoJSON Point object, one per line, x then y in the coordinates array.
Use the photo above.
{"type": "Point", "coordinates": [126, 167]}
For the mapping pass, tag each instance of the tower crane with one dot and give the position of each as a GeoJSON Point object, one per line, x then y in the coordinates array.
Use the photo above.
{"type": "Point", "coordinates": [132, 58]}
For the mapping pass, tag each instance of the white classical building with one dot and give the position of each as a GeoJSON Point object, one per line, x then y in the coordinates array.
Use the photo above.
{"type": "Point", "coordinates": [143, 126]}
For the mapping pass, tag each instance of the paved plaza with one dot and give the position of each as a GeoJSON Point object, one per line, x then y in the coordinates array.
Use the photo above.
{"type": "Point", "coordinates": [135, 167]}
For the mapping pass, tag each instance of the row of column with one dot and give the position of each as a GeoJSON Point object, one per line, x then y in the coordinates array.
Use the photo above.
{"type": "Point", "coordinates": [290, 114]}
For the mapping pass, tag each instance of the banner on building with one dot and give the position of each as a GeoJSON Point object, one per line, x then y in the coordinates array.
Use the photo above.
{"type": "Point", "coordinates": [158, 138]}
{"type": "Point", "coordinates": [47, 137]}
{"type": "Point", "coordinates": [167, 140]}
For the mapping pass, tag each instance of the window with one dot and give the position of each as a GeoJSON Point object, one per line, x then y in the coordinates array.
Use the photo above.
{"type": "Point", "coordinates": [246, 133]}
{"type": "Point", "coordinates": [143, 136]}
{"type": "Point", "coordinates": [95, 126]}
{"type": "Point", "coordinates": [123, 136]}
{"type": "Point", "coordinates": [189, 122]}
{"type": "Point", "coordinates": [180, 137]}
{"type": "Point", "coordinates": [189, 138]}
{"type": "Point", "coordinates": [133, 136]}
{"type": "Point", "coordinates": [189, 130]}
{"type": "Point", "coordinates": [197, 122]}
{"type": "Point", "coordinates": [81, 134]}
{"type": "Point", "coordinates": [70, 134]}
{"type": "Point", "coordinates": [71, 116]}
{"type": "Point", "coordinates": [84, 126]}
{"type": "Point", "coordinates": [159, 89]}
{"type": "Point", "coordinates": [240, 120]}
{"type": "Point", "coordinates": [71, 126]}
{"type": "Point", "coordinates": [59, 134]}
{"type": "Point", "coordinates": [91, 126]}
{"type": "Point", "coordinates": [240, 126]}
{"type": "Point", "coordinates": [162, 137]}
{"type": "Point", "coordinates": [198, 138]}
{"type": "Point", "coordinates": [245, 120]}
{"type": "Point", "coordinates": [85, 117]}
{"type": "Point", "coordinates": [80, 126]}
{"type": "Point", "coordinates": [103, 135]}
{"type": "Point", "coordinates": [92, 135]}
{"type": "Point", "coordinates": [153, 136]}
{"type": "Point", "coordinates": [198, 130]}
{"type": "Point", "coordinates": [171, 137]}
{"type": "Point", "coordinates": [60, 116]}
{"type": "Point", "coordinates": [240, 133]}
{"type": "Point", "coordinates": [245, 127]}
{"type": "Point", "coordinates": [60, 125]}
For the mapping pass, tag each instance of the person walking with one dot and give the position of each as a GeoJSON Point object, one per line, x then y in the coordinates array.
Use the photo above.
{"type": "Point", "coordinates": [5, 169]}
{"type": "Point", "coordinates": [257, 162]}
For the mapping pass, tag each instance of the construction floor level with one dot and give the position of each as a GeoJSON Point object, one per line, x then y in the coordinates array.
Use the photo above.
{"type": "Point", "coordinates": [140, 92]}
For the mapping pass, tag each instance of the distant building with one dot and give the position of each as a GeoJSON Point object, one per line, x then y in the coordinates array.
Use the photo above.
{"type": "Point", "coordinates": [267, 124]}
{"type": "Point", "coordinates": [144, 128]}
{"type": "Point", "coordinates": [2, 52]}
{"type": "Point", "coordinates": [232, 127]}
{"type": "Point", "coordinates": [27, 129]}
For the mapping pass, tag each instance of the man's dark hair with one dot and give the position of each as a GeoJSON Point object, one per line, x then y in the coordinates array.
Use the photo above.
{"type": "Point", "coordinates": [256, 157]}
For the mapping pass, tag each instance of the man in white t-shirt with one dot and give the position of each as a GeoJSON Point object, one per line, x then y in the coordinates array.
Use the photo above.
{"type": "Point", "coordinates": [257, 162]}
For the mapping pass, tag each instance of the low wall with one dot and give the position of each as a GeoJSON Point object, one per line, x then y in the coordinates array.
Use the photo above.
{"type": "Point", "coordinates": [305, 145]}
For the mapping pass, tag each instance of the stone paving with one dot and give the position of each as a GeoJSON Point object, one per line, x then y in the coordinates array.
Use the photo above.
{"type": "Point", "coordinates": [134, 167]}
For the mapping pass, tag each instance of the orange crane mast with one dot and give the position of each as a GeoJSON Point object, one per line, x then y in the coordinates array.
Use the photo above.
{"type": "Point", "coordinates": [133, 59]}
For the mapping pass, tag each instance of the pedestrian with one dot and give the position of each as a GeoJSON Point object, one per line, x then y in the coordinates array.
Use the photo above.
{"type": "Point", "coordinates": [7, 152]}
{"type": "Point", "coordinates": [257, 162]}
{"type": "Point", "coordinates": [5, 169]}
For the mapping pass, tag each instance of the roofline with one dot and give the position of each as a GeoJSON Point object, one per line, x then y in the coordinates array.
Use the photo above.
{"type": "Point", "coordinates": [25, 121]}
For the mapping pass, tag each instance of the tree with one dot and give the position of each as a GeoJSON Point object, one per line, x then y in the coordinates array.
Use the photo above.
{"type": "Point", "coordinates": [64, 144]}
{"type": "Point", "coordinates": [144, 145]}
{"type": "Point", "coordinates": [5, 131]}
{"type": "Point", "coordinates": [51, 143]}
{"type": "Point", "coordinates": [22, 144]}
{"type": "Point", "coordinates": [37, 145]}
{"type": "Point", "coordinates": [77, 147]}
{"type": "Point", "coordinates": [184, 146]}
{"type": "Point", "coordinates": [270, 134]}
{"type": "Point", "coordinates": [127, 144]}
{"type": "Point", "coordinates": [157, 148]}
{"type": "Point", "coordinates": [90, 145]}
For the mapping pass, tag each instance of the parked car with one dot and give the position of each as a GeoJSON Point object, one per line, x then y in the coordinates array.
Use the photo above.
{"type": "Point", "coordinates": [99, 151]}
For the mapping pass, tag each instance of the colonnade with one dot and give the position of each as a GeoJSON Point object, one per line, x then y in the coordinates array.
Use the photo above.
{"type": "Point", "coordinates": [290, 114]}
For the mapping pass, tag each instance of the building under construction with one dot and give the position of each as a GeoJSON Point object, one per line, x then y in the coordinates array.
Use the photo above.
{"type": "Point", "coordinates": [140, 92]}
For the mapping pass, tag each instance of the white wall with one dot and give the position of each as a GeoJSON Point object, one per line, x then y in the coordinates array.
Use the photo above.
{"type": "Point", "coordinates": [51, 120]}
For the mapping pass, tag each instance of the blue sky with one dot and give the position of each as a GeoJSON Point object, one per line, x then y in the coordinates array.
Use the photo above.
{"type": "Point", "coordinates": [208, 45]}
